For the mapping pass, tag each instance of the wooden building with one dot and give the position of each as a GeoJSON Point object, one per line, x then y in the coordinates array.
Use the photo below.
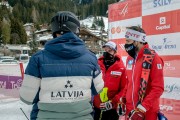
{"type": "Point", "coordinates": [93, 42]}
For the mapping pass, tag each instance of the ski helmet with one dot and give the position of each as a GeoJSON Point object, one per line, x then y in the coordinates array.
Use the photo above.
{"type": "Point", "coordinates": [65, 21]}
{"type": "Point", "coordinates": [112, 45]}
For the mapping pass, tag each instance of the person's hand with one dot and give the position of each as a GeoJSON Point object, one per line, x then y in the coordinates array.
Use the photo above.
{"type": "Point", "coordinates": [122, 100]}
{"type": "Point", "coordinates": [121, 108]}
{"type": "Point", "coordinates": [137, 114]}
{"type": "Point", "coordinates": [106, 106]}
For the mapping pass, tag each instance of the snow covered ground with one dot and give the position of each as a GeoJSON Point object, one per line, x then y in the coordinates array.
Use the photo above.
{"type": "Point", "coordinates": [10, 104]}
{"type": "Point", "coordinates": [89, 21]}
{"type": "Point", "coordinates": [10, 109]}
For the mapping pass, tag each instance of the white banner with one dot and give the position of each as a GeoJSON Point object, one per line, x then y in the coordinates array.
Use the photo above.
{"type": "Point", "coordinates": [117, 29]}
{"type": "Point", "coordinates": [165, 44]}
{"type": "Point", "coordinates": [159, 6]}
{"type": "Point", "coordinates": [172, 88]}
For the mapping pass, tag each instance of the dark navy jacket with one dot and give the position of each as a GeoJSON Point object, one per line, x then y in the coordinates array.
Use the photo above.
{"type": "Point", "coordinates": [60, 80]}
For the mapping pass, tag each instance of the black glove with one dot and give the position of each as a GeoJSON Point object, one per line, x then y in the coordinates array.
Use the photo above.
{"type": "Point", "coordinates": [121, 108]}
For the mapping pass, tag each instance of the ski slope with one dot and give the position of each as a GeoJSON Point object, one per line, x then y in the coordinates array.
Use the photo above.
{"type": "Point", "coordinates": [10, 103]}
{"type": "Point", "coordinates": [10, 109]}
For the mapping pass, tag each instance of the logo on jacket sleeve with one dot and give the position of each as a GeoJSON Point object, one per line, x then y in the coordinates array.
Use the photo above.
{"type": "Point", "coordinates": [159, 66]}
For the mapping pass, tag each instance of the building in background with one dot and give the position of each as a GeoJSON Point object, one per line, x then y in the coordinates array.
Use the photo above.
{"type": "Point", "coordinates": [92, 41]}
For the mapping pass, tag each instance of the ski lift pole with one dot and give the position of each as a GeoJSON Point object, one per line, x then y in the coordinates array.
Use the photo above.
{"type": "Point", "coordinates": [104, 98]}
{"type": "Point", "coordinates": [24, 113]}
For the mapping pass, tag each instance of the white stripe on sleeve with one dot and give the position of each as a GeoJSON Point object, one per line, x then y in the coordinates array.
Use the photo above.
{"type": "Point", "coordinates": [98, 82]}
{"type": "Point", "coordinates": [29, 88]}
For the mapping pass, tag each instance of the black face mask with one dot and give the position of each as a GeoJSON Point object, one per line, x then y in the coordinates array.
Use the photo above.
{"type": "Point", "coordinates": [108, 59]}
{"type": "Point", "coordinates": [108, 56]}
{"type": "Point", "coordinates": [130, 49]}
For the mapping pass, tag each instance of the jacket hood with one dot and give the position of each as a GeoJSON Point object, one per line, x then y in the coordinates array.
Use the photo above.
{"type": "Point", "coordinates": [66, 46]}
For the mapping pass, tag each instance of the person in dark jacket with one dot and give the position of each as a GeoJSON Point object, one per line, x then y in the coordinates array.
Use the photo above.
{"type": "Point", "coordinates": [114, 77]}
{"type": "Point", "coordinates": [60, 79]}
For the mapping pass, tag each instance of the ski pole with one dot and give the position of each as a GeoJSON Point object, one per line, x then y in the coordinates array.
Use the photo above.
{"type": "Point", "coordinates": [24, 113]}
{"type": "Point", "coordinates": [100, 117]}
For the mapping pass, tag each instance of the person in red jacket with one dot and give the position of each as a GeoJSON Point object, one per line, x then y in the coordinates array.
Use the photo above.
{"type": "Point", "coordinates": [114, 77]}
{"type": "Point", "coordinates": [148, 108]}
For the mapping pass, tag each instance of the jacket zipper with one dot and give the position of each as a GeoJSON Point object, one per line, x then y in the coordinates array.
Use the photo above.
{"type": "Point", "coordinates": [133, 83]}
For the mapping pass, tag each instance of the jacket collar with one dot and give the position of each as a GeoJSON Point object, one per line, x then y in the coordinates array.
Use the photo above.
{"type": "Point", "coordinates": [141, 52]}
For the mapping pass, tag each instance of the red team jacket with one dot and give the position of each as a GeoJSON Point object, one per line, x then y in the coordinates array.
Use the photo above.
{"type": "Point", "coordinates": [115, 79]}
{"type": "Point", "coordinates": [155, 85]}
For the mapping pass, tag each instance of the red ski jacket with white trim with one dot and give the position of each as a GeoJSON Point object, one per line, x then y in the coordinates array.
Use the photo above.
{"type": "Point", "coordinates": [114, 79]}
{"type": "Point", "coordinates": [155, 86]}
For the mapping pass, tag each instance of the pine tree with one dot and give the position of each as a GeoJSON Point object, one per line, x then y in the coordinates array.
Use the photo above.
{"type": "Point", "coordinates": [41, 11]}
{"type": "Point", "coordinates": [5, 31]}
{"type": "Point", "coordinates": [12, 3]}
{"type": "Point", "coordinates": [17, 27]}
{"type": "Point", "coordinates": [34, 15]}
{"type": "Point", "coordinates": [16, 11]}
{"type": "Point", "coordinates": [15, 39]}
{"type": "Point", "coordinates": [102, 23]}
{"type": "Point", "coordinates": [33, 45]}
{"type": "Point", "coordinates": [0, 32]}
{"type": "Point", "coordinates": [95, 22]}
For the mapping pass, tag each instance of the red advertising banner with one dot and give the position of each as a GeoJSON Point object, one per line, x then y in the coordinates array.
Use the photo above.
{"type": "Point", "coordinates": [171, 108]}
{"type": "Point", "coordinates": [161, 21]}
{"type": "Point", "coordinates": [171, 66]}
{"type": "Point", "coordinates": [124, 10]}
{"type": "Point", "coordinates": [167, 22]}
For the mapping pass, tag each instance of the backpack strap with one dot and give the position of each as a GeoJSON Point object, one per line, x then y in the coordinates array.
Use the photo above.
{"type": "Point", "coordinates": [148, 57]}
